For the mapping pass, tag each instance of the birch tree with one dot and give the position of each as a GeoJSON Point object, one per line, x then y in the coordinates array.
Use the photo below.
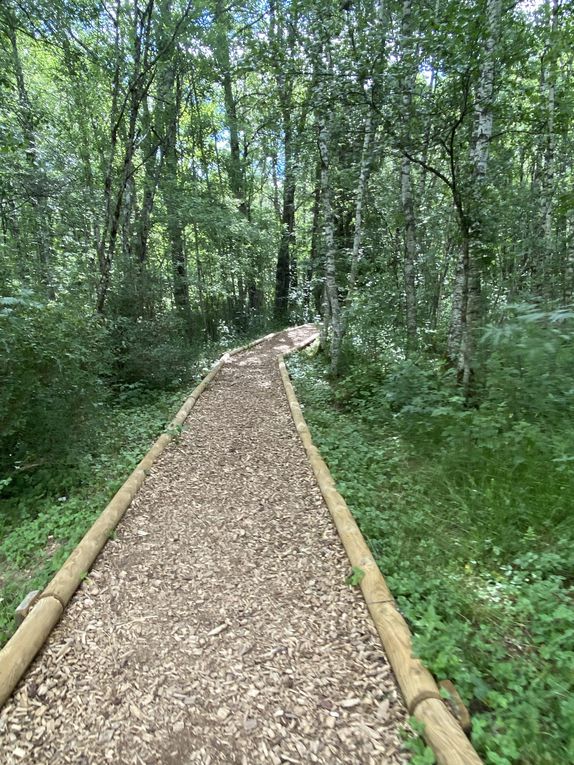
{"type": "Point", "coordinates": [407, 84]}
{"type": "Point", "coordinates": [467, 308]}
{"type": "Point", "coordinates": [323, 75]}
{"type": "Point", "coordinates": [35, 178]}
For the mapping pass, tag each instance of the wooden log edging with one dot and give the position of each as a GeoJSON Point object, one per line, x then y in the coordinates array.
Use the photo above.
{"type": "Point", "coordinates": [418, 687]}
{"type": "Point", "coordinates": [19, 652]}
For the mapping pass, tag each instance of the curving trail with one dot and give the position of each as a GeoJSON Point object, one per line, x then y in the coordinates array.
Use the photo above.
{"type": "Point", "coordinates": [216, 627]}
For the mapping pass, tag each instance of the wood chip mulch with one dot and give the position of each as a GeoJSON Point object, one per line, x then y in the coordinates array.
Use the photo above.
{"type": "Point", "coordinates": [217, 626]}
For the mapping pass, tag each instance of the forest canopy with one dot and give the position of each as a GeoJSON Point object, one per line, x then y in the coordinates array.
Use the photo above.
{"type": "Point", "coordinates": [210, 167]}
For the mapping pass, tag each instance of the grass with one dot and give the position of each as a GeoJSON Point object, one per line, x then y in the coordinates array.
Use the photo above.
{"type": "Point", "coordinates": [471, 524]}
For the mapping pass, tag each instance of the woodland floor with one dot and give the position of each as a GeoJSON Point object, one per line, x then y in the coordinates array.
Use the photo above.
{"type": "Point", "coordinates": [216, 627]}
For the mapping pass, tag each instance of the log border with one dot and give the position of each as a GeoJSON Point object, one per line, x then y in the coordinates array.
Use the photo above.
{"type": "Point", "coordinates": [20, 650]}
{"type": "Point", "coordinates": [420, 692]}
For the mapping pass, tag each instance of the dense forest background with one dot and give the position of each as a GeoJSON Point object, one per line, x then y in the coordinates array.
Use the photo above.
{"type": "Point", "coordinates": [176, 175]}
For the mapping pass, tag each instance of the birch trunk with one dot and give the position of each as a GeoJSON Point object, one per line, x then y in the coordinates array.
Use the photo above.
{"type": "Point", "coordinates": [467, 301]}
{"type": "Point", "coordinates": [283, 48]}
{"type": "Point", "coordinates": [365, 170]}
{"type": "Point", "coordinates": [314, 286]}
{"type": "Point", "coordinates": [459, 291]}
{"type": "Point", "coordinates": [331, 288]}
{"type": "Point", "coordinates": [326, 323]}
{"type": "Point", "coordinates": [114, 213]}
{"type": "Point", "coordinates": [407, 206]}
{"type": "Point", "coordinates": [126, 102]}
{"type": "Point", "coordinates": [104, 264]}
{"type": "Point", "coordinates": [169, 95]}
{"type": "Point", "coordinates": [483, 108]}
{"type": "Point", "coordinates": [152, 169]}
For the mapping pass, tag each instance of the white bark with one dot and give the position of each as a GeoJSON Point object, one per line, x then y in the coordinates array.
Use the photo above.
{"type": "Point", "coordinates": [324, 334]}
{"type": "Point", "coordinates": [365, 168]}
{"type": "Point", "coordinates": [407, 205]}
{"type": "Point", "coordinates": [483, 114]}
{"type": "Point", "coordinates": [479, 152]}
{"type": "Point", "coordinates": [331, 288]}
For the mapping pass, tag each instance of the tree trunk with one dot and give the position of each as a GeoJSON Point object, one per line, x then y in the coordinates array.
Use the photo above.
{"type": "Point", "coordinates": [283, 269]}
{"type": "Point", "coordinates": [467, 301]}
{"type": "Point", "coordinates": [409, 65]}
{"type": "Point", "coordinates": [360, 195]}
{"type": "Point", "coordinates": [410, 254]}
{"type": "Point", "coordinates": [364, 172]}
{"type": "Point", "coordinates": [331, 289]}
{"type": "Point", "coordinates": [169, 94]}
{"type": "Point", "coordinates": [114, 217]}
{"type": "Point", "coordinates": [151, 174]}
{"type": "Point", "coordinates": [104, 264]}
{"type": "Point", "coordinates": [235, 166]}
{"type": "Point", "coordinates": [314, 286]}
{"type": "Point", "coordinates": [283, 50]}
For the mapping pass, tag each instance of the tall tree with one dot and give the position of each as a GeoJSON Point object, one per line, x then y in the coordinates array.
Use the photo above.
{"type": "Point", "coordinates": [407, 84]}
{"type": "Point", "coordinates": [473, 249]}
{"type": "Point", "coordinates": [34, 177]}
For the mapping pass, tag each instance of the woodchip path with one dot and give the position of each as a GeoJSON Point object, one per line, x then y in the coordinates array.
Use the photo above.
{"type": "Point", "coordinates": [216, 627]}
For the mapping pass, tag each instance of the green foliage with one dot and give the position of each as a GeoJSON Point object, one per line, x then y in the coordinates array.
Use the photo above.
{"type": "Point", "coordinates": [530, 364]}
{"type": "Point", "coordinates": [174, 430]}
{"type": "Point", "coordinates": [47, 511]}
{"type": "Point", "coordinates": [467, 511]}
{"type": "Point", "coordinates": [420, 753]}
{"type": "Point", "coordinates": [152, 353]}
{"type": "Point", "coordinates": [122, 183]}
{"type": "Point", "coordinates": [51, 362]}
{"type": "Point", "coordinates": [355, 577]}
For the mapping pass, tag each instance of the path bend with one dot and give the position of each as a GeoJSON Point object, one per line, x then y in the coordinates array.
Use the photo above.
{"type": "Point", "coordinates": [216, 628]}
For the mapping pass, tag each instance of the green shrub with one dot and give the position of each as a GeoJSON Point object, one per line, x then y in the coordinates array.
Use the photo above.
{"type": "Point", "coordinates": [529, 363]}
{"type": "Point", "coordinates": [52, 356]}
{"type": "Point", "coordinates": [151, 352]}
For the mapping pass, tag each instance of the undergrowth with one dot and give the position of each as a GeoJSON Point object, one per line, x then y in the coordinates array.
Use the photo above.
{"type": "Point", "coordinates": [45, 512]}
{"type": "Point", "coordinates": [468, 513]}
